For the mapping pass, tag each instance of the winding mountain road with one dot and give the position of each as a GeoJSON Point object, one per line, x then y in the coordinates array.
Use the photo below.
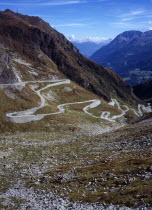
{"type": "Point", "coordinates": [28, 115]}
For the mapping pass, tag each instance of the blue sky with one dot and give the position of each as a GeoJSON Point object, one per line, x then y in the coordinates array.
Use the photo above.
{"type": "Point", "coordinates": [82, 20]}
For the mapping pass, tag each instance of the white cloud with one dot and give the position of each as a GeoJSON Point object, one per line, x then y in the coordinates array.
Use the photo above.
{"type": "Point", "coordinates": [69, 25]}
{"type": "Point", "coordinates": [123, 24]}
{"type": "Point", "coordinates": [124, 17]}
{"type": "Point", "coordinates": [132, 13]}
{"type": "Point", "coordinates": [127, 19]}
{"type": "Point", "coordinates": [137, 12]}
{"type": "Point", "coordinates": [128, 25]}
{"type": "Point", "coordinates": [72, 38]}
{"type": "Point", "coordinates": [54, 3]}
{"type": "Point", "coordinates": [149, 25]}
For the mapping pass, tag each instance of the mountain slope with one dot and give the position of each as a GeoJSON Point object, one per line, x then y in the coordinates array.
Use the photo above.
{"type": "Point", "coordinates": [35, 65]}
{"type": "Point", "coordinates": [144, 91]}
{"type": "Point", "coordinates": [129, 55]}
{"type": "Point", "coordinates": [38, 36]}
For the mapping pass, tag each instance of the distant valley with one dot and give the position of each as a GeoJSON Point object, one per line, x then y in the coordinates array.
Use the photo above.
{"type": "Point", "coordinates": [88, 48]}
{"type": "Point", "coordinates": [129, 55]}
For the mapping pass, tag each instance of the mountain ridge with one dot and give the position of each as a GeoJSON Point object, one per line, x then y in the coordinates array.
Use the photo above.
{"type": "Point", "coordinates": [63, 53]}
{"type": "Point", "coordinates": [128, 55]}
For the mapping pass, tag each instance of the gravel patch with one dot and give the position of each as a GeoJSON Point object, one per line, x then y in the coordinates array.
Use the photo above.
{"type": "Point", "coordinates": [145, 141]}
{"type": "Point", "coordinates": [42, 199]}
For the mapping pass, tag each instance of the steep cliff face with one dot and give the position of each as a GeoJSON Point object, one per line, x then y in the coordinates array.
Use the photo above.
{"type": "Point", "coordinates": [31, 36]}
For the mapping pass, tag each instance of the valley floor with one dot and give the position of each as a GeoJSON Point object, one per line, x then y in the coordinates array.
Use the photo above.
{"type": "Point", "coordinates": [107, 171]}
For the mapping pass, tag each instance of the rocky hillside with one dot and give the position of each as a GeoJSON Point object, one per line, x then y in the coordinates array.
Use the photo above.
{"type": "Point", "coordinates": [37, 42]}
{"type": "Point", "coordinates": [129, 55]}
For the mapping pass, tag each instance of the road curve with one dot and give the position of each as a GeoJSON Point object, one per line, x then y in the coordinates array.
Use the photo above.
{"type": "Point", "coordinates": [28, 115]}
